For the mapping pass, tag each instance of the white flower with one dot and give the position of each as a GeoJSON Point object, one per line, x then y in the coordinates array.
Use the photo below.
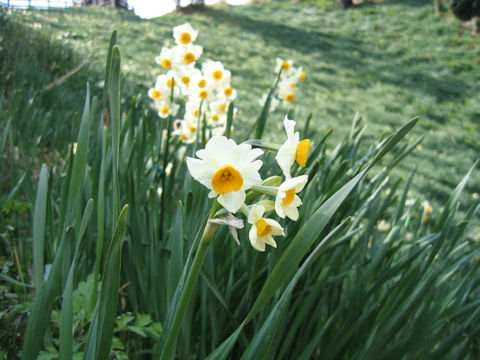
{"type": "Point", "coordinates": [286, 201]}
{"type": "Point", "coordinates": [229, 93]}
{"type": "Point", "coordinates": [165, 59]}
{"type": "Point", "coordinates": [166, 108]}
{"type": "Point", "coordinates": [383, 226]}
{"type": "Point", "coordinates": [285, 65]}
{"type": "Point", "coordinates": [263, 229]}
{"type": "Point", "coordinates": [186, 74]}
{"type": "Point", "coordinates": [427, 210]}
{"type": "Point", "coordinates": [184, 55]}
{"type": "Point", "coordinates": [215, 71]}
{"type": "Point", "coordinates": [286, 90]}
{"type": "Point", "coordinates": [184, 34]}
{"type": "Point", "coordinates": [227, 169]}
{"type": "Point", "coordinates": [292, 149]}
{"type": "Point", "coordinates": [186, 130]}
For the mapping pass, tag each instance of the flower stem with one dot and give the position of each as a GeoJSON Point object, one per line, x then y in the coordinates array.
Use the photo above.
{"type": "Point", "coordinates": [192, 277]}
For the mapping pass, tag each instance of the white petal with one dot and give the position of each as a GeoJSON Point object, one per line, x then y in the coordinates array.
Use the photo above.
{"type": "Point", "coordinates": [276, 227]}
{"type": "Point", "coordinates": [232, 201]}
{"type": "Point", "coordinates": [258, 245]}
{"type": "Point", "coordinates": [256, 212]}
{"type": "Point", "coordinates": [286, 156]}
{"type": "Point", "coordinates": [200, 171]}
{"type": "Point", "coordinates": [291, 212]}
{"type": "Point", "coordinates": [298, 183]}
{"type": "Point", "coordinates": [289, 127]}
{"type": "Point", "coordinates": [269, 240]}
{"type": "Point", "coordinates": [279, 204]}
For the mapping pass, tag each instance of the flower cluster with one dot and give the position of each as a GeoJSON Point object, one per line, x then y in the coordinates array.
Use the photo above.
{"type": "Point", "coordinates": [228, 170]}
{"type": "Point", "coordinates": [206, 92]}
{"type": "Point", "coordinates": [287, 87]}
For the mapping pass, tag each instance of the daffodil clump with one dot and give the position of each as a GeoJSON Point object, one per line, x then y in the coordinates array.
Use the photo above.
{"type": "Point", "coordinates": [229, 170]}
{"type": "Point", "coordinates": [205, 90]}
{"type": "Point", "coordinates": [288, 79]}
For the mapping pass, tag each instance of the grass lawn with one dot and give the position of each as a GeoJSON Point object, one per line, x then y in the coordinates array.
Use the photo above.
{"type": "Point", "coordinates": [390, 61]}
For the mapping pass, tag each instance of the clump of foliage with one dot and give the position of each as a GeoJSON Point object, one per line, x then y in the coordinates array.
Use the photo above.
{"type": "Point", "coordinates": [465, 9]}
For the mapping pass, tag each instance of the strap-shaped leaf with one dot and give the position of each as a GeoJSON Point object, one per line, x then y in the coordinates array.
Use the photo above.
{"type": "Point", "coordinates": [101, 329]}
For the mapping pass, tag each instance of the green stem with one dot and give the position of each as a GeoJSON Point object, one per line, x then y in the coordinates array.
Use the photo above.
{"type": "Point", "coordinates": [187, 291]}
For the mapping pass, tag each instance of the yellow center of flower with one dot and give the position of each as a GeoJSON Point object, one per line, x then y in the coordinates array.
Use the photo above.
{"type": "Point", "coordinates": [303, 75]}
{"type": "Point", "coordinates": [293, 85]}
{"type": "Point", "coordinates": [186, 80]}
{"type": "Point", "coordinates": [185, 38]}
{"type": "Point", "coordinates": [231, 132]}
{"type": "Point", "coordinates": [214, 117]}
{"type": "Point", "coordinates": [188, 58]}
{"type": "Point", "coordinates": [289, 196]}
{"type": "Point", "coordinates": [195, 113]}
{"type": "Point", "coordinates": [285, 65]}
{"type": "Point", "coordinates": [223, 107]}
{"type": "Point", "coordinates": [227, 179]}
{"type": "Point", "coordinates": [156, 94]}
{"type": "Point", "coordinates": [166, 63]}
{"type": "Point", "coordinates": [164, 110]}
{"type": "Point", "coordinates": [290, 97]}
{"type": "Point", "coordinates": [429, 209]}
{"type": "Point", "coordinates": [263, 229]}
{"type": "Point", "coordinates": [203, 94]}
{"type": "Point", "coordinates": [217, 75]}
{"type": "Point", "coordinates": [228, 91]}
{"type": "Point", "coordinates": [425, 218]}
{"type": "Point", "coordinates": [171, 82]}
{"type": "Point", "coordinates": [302, 152]}
{"type": "Point", "coordinates": [183, 137]}
{"type": "Point", "coordinates": [202, 83]}
{"type": "Point", "coordinates": [193, 128]}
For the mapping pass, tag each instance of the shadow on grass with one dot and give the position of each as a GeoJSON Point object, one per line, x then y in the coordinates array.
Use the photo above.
{"type": "Point", "coordinates": [370, 62]}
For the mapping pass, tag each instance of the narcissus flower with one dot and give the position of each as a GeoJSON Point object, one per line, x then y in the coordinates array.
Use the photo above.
{"type": "Point", "coordinates": [292, 149]}
{"type": "Point", "coordinates": [263, 229]}
{"type": "Point", "coordinates": [284, 65]}
{"type": "Point", "coordinates": [165, 59]}
{"type": "Point", "coordinates": [227, 170]}
{"type": "Point", "coordinates": [186, 55]}
{"type": "Point", "coordinates": [427, 210]}
{"type": "Point", "coordinates": [286, 201]}
{"type": "Point", "coordinates": [184, 34]}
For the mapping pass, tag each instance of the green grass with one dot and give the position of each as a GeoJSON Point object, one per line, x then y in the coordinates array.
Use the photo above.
{"type": "Point", "coordinates": [389, 61]}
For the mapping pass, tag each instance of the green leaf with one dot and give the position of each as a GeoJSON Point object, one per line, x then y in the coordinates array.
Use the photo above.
{"type": "Point", "coordinates": [42, 307]}
{"type": "Point", "coordinates": [114, 96]}
{"type": "Point", "coordinates": [39, 227]}
{"type": "Point", "coordinates": [301, 243]}
{"type": "Point", "coordinates": [108, 66]}
{"type": "Point", "coordinates": [453, 199]}
{"type": "Point", "coordinates": [80, 159]}
{"type": "Point", "coordinates": [66, 318]}
{"type": "Point", "coordinates": [101, 329]}
{"type": "Point", "coordinates": [393, 140]}
{"type": "Point", "coordinates": [260, 343]}
{"type": "Point", "coordinates": [228, 129]}
{"type": "Point", "coordinates": [175, 266]}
